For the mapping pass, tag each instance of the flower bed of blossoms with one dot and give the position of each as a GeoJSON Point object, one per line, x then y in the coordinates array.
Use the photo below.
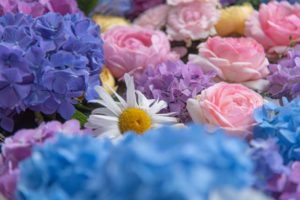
{"type": "Point", "coordinates": [149, 99]}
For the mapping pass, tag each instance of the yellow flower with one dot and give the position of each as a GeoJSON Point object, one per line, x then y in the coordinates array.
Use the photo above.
{"type": "Point", "coordinates": [232, 20]}
{"type": "Point", "coordinates": [108, 80]}
{"type": "Point", "coordinates": [106, 22]}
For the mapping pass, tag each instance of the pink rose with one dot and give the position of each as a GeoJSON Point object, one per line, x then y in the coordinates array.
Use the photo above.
{"type": "Point", "coordinates": [275, 25]}
{"type": "Point", "coordinates": [129, 49]}
{"type": "Point", "coordinates": [194, 20]}
{"type": "Point", "coordinates": [176, 2]}
{"type": "Point", "coordinates": [236, 60]}
{"type": "Point", "coordinates": [229, 106]}
{"type": "Point", "coordinates": [154, 18]}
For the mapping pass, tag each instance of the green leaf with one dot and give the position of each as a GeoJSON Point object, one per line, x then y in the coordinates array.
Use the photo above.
{"type": "Point", "coordinates": [82, 118]}
{"type": "Point", "coordinates": [87, 5]}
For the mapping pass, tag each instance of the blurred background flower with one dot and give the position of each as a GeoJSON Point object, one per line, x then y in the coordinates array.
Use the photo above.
{"type": "Point", "coordinates": [38, 7]}
{"type": "Point", "coordinates": [107, 22]}
{"type": "Point", "coordinates": [232, 20]}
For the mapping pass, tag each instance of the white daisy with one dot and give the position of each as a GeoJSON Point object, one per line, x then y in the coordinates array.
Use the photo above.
{"type": "Point", "coordinates": [137, 113]}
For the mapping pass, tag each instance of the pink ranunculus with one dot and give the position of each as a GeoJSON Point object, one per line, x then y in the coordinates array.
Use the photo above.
{"type": "Point", "coordinates": [229, 106]}
{"type": "Point", "coordinates": [275, 25]}
{"type": "Point", "coordinates": [38, 7]}
{"type": "Point", "coordinates": [131, 49]}
{"type": "Point", "coordinates": [194, 20]}
{"type": "Point", "coordinates": [19, 146]}
{"type": "Point", "coordinates": [236, 60]}
{"type": "Point", "coordinates": [176, 2]}
{"type": "Point", "coordinates": [154, 18]}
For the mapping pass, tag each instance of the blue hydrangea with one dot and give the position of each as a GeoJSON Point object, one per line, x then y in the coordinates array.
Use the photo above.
{"type": "Point", "coordinates": [165, 163]}
{"type": "Point", "coordinates": [67, 168]}
{"type": "Point", "coordinates": [171, 163]}
{"type": "Point", "coordinates": [46, 63]}
{"type": "Point", "coordinates": [282, 124]}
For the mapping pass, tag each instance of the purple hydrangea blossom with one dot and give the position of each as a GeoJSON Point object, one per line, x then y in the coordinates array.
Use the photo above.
{"type": "Point", "coordinates": [285, 76]}
{"type": "Point", "coordinates": [46, 63]}
{"type": "Point", "coordinates": [174, 82]}
{"type": "Point", "coordinates": [19, 147]}
{"type": "Point", "coordinates": [269, 165]}
{"type": "Point", "coordinates": [38, 7]}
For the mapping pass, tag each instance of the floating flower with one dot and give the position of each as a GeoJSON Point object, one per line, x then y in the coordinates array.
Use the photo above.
{"type": "Point", "coordinates": [284, 77]}
{"type": "Point", "coordinates": [192, 21]}
{"type": "Point", "coordinates": [128, 49]}
{"type": "Point", "coordinates": [280, 123]}
{"type": "Point", "coordinates": [136, 113]}
{"type": "Point", "coordinates": [275, 25]}
{"type": "Point", "coordinates": [19, 147]}
{"type": "Point", "coordinates": [172, 163]}
{"type": "Point", "coordinates": [68, 167]}
{"type": "Point", "coordinates": [232, 20]}
{"type": "Point", "coordinates": [235, 60]}
{"type": "Point", "coordinates": [48, 62]}
{"type": "Point", "coordinates": [38, 7]}
{"type": "Point", "coordinates": [107, 22]}
{"type": "Point", "coordinates": [174, 82]}
{"type": "Point", "coordinates": [229, 106]}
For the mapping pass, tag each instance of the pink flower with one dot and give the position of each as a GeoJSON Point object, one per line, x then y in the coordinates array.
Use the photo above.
{"type": "Point", "coordinates": [129, 49]}
{"type": "Point", "coordinates": [154, 18]}
{"type": "Point", "coordinates": [194, 20]}
{"type": "Point", "coordinates": [19, 147]}
{"type": "Point", "coordinates": [176, 2]}
{"type": "Point", "coordinates": [236, 60]}
{"type": "Point", "coordinates": [38, 7]}
{"type": "Point", "coordinates": [229, 106]}
{"type": "Point", "coordinates": [275, 25]}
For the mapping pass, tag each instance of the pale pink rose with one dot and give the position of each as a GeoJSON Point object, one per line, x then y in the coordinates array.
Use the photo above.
{"type": "Point", "coordinates": [130, 49]}
{"type": "Point", "coordinates": [194, 20]}
{"type": "Point", "coordinates": [236, 60]}
{"type": "Point", "coordinates": [154, 18]}
{"type": "Point", "coordinates": [274, 25]}
{"type": "Point", "coordinates": [229, 106]}
{"type": "Point", "coordinates": [176, 2]}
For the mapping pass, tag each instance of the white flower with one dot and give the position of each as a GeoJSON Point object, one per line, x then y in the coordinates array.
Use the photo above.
{"type": "Point", "coordinates": [136, 114]}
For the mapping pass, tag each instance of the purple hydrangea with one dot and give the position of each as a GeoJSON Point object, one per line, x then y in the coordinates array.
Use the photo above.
{"type": "Point", "coordinates": [285, 76]}
{"type": "Point", "coordinates": [19, 147]}
{"type": "Point", "coordinates": [38, 7]}
{"type": "Point", "coordinates": [174, 82]}
{"type": "Point", "coordinates": [46, 63]}
{"type": "Point", "coordinates": [291, 189]}
{"type": "Point", "coordinates": [269, 165]}
{"type": "Point", "coordinates": [139, 6]}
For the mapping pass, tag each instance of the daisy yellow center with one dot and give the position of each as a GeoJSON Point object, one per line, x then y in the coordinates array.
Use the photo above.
{"type": "Point", "coordinates": [134, 119]}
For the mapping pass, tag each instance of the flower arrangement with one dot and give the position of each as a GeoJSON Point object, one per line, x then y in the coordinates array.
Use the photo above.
{"type": "Point", "coordinates": [149, 99]}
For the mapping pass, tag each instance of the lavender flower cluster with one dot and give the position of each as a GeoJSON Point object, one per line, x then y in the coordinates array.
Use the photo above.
{"type": "Point", "coordinates": [47, 63]}
{"type": "Point", "coordinates": [174, 82]}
